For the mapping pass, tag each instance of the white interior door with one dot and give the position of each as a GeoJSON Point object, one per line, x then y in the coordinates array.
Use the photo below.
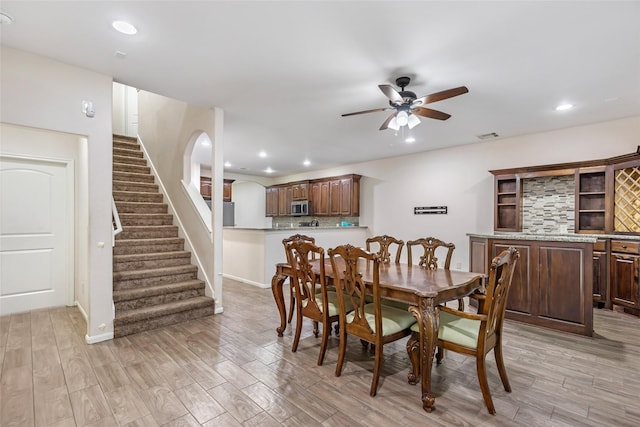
{"type": "Point", "coordinates": [36, 233]}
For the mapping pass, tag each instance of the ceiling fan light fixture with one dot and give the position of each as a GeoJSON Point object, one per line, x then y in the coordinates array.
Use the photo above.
{"type": "Point", "coordinates": [412, 121]}
{"type": "Point", "coordinates": [393, 124]}
{"type": "Point", "coordinates": [402, 118]}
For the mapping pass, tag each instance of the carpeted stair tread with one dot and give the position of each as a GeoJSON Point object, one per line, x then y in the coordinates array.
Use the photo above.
{"type": "Point", "coordinates": [140, 187]}
{"type": "Point", "coordinates": [123, 167]}
{"type": "Point", "coordinates": [133, 219]}
{"type": "Point", "coordinates": [136, 196]}
{"type": "Point", "coordinates": [133, 177]}
{"type": "Point", "coordinates": [147, 232]}
{"type": "Point", "coordinates": [141, 207]}
{"type": "Point", "coordinates": [151, 256]}
{"type": "Point", "coordinates": [142, 261]}
{"type": "Point", "coordinates": [126, 152]}
{"type": "Point", "coordinates": [121, 330]}
{"type": "Point", "coordinates": [128, 160]}
{"type": "Point", "coordinates": [148, 313]}
{"type": "Point", "coordinates": [131, 294]}
{"type": "Point", "coordinates": [153, 272]}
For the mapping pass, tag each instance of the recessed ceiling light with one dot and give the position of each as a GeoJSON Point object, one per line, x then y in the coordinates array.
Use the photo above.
{"type": "Point", "coordinates": [306, 162]}
{"type": "Point", "coordinates": [227, 164]}
{"type": "Point", "coordinates": [206, 143]}
{"type": "Point", "coordinates": [269, 170]}
{"type": "Point", "coordinates": [410, 140]}
{"type": "Point", "coordinates": [124, 27]}
{"type": "Point", "coordinates": [262, 154]}
{"type": "Point", "coordinates": [5, 19]}
{"type": "Point", "coordinates": [563, 107]}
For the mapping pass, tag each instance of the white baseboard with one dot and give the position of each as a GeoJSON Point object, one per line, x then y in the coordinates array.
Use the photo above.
{"type": "Point", "coordinates": [98, 338]}
{"type": "Point", "coordinates": [247, 281]}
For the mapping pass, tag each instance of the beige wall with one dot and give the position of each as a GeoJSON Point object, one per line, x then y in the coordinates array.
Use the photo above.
{"type": "Point", "coordinates": [458, 177]}
{"type": "Point", "coordinates": [41, 93]}
{"type": "Point", "coordinates": [167, 129]}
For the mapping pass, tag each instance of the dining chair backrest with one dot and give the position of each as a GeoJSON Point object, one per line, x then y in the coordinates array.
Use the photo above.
{"type": "Point", "coordinates": [497, 291]}
{"type": "Point", "coordinates": [296, 238]}
{"type": "Point", "coordinates": [385, 244]}
{"type": "Point", "coordinates": [312, 299]}
{"type": "Point", "coordinates": [347, 262]}
{"type": "Point", "coordinates": [429, 246]}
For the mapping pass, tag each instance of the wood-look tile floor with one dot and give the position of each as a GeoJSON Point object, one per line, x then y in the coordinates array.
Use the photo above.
{"type": "Point", "coordinates": [232, 369]}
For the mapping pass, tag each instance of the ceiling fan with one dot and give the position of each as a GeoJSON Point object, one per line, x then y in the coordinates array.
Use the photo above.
{"type": "Point", "coordinates": [406, 106]}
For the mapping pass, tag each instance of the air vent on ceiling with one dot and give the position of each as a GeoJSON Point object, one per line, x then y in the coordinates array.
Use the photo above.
{"type": "Point", "coordinates": [488, 135]}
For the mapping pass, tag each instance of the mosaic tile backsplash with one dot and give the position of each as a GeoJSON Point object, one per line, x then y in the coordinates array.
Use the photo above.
{"type": "Point", "coordinates": [548, 205]}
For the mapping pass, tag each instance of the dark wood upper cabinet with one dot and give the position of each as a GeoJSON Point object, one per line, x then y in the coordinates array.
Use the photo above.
{"type": "Point", "coordinates": [205, 187]}
{"type": "Point", "coordinates": [606, 194]}
{"type": "Point", "coordinates": [226, 189]}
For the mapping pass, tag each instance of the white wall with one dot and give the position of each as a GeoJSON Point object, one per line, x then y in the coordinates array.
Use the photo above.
{"type": "Point", "coordinates": [41, 93]}
{"type": "Point", "coordinates": [250, 199]}
{"type": "Point", "coordinates": [458, 177]}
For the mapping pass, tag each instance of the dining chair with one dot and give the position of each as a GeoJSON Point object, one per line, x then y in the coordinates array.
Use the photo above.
{"type": "Point", "coordinates": [385, 244]}
{"type": "Point", "coordinates": [312, 300]}
{"type": "Point", "coordinates": [372, 322]}
{"type": "Point", "coordinates": [430, 248]}
{"type": "Point", "coordinates": [475, 334]}
{"type": "Point", "coordinates": [294, 238]}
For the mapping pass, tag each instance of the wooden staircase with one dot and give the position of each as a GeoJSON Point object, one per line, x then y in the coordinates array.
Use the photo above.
{"type": "Point", "coordinates": [154, 283]}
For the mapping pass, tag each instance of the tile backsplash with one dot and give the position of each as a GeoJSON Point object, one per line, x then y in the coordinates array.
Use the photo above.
{"type": "Point", "coordinates": [548, 204]}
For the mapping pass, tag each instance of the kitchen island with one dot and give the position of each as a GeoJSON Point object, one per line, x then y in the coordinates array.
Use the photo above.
{"type": "Point", "coordinates": [552, 284]}
{"type": "Point", "coordinates": [250, 254]}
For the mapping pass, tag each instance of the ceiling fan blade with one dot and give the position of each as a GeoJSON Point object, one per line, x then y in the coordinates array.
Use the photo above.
{"type": "Point", "coordinates": [364, 112]}
{"type": "Point", "coordinates": [385, 125]}
{"type": "Point", "coordinates": [432, 114]}
{"type": "Point", "coordinates": [439, 96]}
{"type": "Point", "coordinates": [391, 93]}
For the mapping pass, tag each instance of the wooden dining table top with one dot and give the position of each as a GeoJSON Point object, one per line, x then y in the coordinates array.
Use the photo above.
{"type": "Point", "coordinates": [403, 280]}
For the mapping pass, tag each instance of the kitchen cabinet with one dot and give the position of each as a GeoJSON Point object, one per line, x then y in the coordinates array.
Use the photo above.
{"type": "Point", "coordinates": [285, 194]}
{"type": "Point", "coordinates": [272, 201]}
{"type": "Point", "coordinates": [552, 281]}
{"type": "Point", "coordinates": [625, 268]}
{"type": "Point", "coordinates": [600, 274]}
{"type": "Point", "coordinates": [226, 190]}
{"type": "Point", "coordinates": [344, 196]}
{"type": "Point", "coordinates": [319, 198]}
{"type": "Point", "coordinates": [300, 191]}
{"type": "Point", "coordinates": [205, 187]}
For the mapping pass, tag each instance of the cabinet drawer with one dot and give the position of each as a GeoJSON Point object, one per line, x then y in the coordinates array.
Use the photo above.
{"type": "Point", "coordinates": [600, 245]}
{"type": "Point", "coordinates": [625, 247]}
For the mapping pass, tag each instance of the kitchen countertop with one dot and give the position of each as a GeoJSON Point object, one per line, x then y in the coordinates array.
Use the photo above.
{"type": "Point", "coordinates": [570, 237]}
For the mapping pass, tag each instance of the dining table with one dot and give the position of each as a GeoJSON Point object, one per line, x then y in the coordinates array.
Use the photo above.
{"type": "Point", "coordinates": [423, 288]}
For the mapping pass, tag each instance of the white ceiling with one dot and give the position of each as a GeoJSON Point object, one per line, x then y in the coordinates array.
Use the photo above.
{"type": "Point", "coordinates": [284, 71]}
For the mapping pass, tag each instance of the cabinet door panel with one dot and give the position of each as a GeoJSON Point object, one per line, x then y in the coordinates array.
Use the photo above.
{"type": "Point", "coordinates": [335, 198]}
{"type": "Point", "coordinates": [624, 280]}
{"type": "Point", "coordinates": [600, 277]}
{"type": "Point", "coordinates": [561, 285]}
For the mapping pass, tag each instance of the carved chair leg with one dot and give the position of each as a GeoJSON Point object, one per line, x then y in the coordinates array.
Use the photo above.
{"type": "Point", "coordinates": [296, 337]}
{"type": "Point", "coordinates": [497, 351]}
{"type": "Point", "coordinates": [341, 351]}
{"type": "Point", "coordinates": [484, 384]}
{"type": "Point", "coordinates": [439, 355]}
{"type": "Point", "coordinates": [292, 301]}
{"type": "Point", "coordinates": [337, 329]}
{"type": "Point", "coordinates": [316, 331]}
{"type": "Point", "coordinates": [460, 304]}
{"type": "Point", "coordinates": [413, 350]}
{"type": "Point", "coordinates": [365, 345]}
{"type": "Point", "coordinates": [377, 367]}
{"type": "Point", "coordinates": [326, 332]}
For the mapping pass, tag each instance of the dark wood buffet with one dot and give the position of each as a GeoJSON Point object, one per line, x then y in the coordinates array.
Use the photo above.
{"type": "Point", "coordinates": [559, 278]}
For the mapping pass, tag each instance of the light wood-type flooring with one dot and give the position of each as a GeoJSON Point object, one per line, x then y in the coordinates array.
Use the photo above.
{"type": "Point", "coordinates": [231, 369]}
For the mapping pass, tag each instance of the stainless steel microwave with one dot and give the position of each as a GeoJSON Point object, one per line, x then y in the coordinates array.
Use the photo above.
{"type": "Point", "coordinates": [300, 208]}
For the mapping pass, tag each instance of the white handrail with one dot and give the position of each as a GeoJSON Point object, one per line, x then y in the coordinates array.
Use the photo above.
{"type": "Point", "coordinates": [117, 225]}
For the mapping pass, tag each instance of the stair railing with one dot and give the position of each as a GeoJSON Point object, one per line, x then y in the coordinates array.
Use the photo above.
{"type": "Point", "coordinates": [115, 219]}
